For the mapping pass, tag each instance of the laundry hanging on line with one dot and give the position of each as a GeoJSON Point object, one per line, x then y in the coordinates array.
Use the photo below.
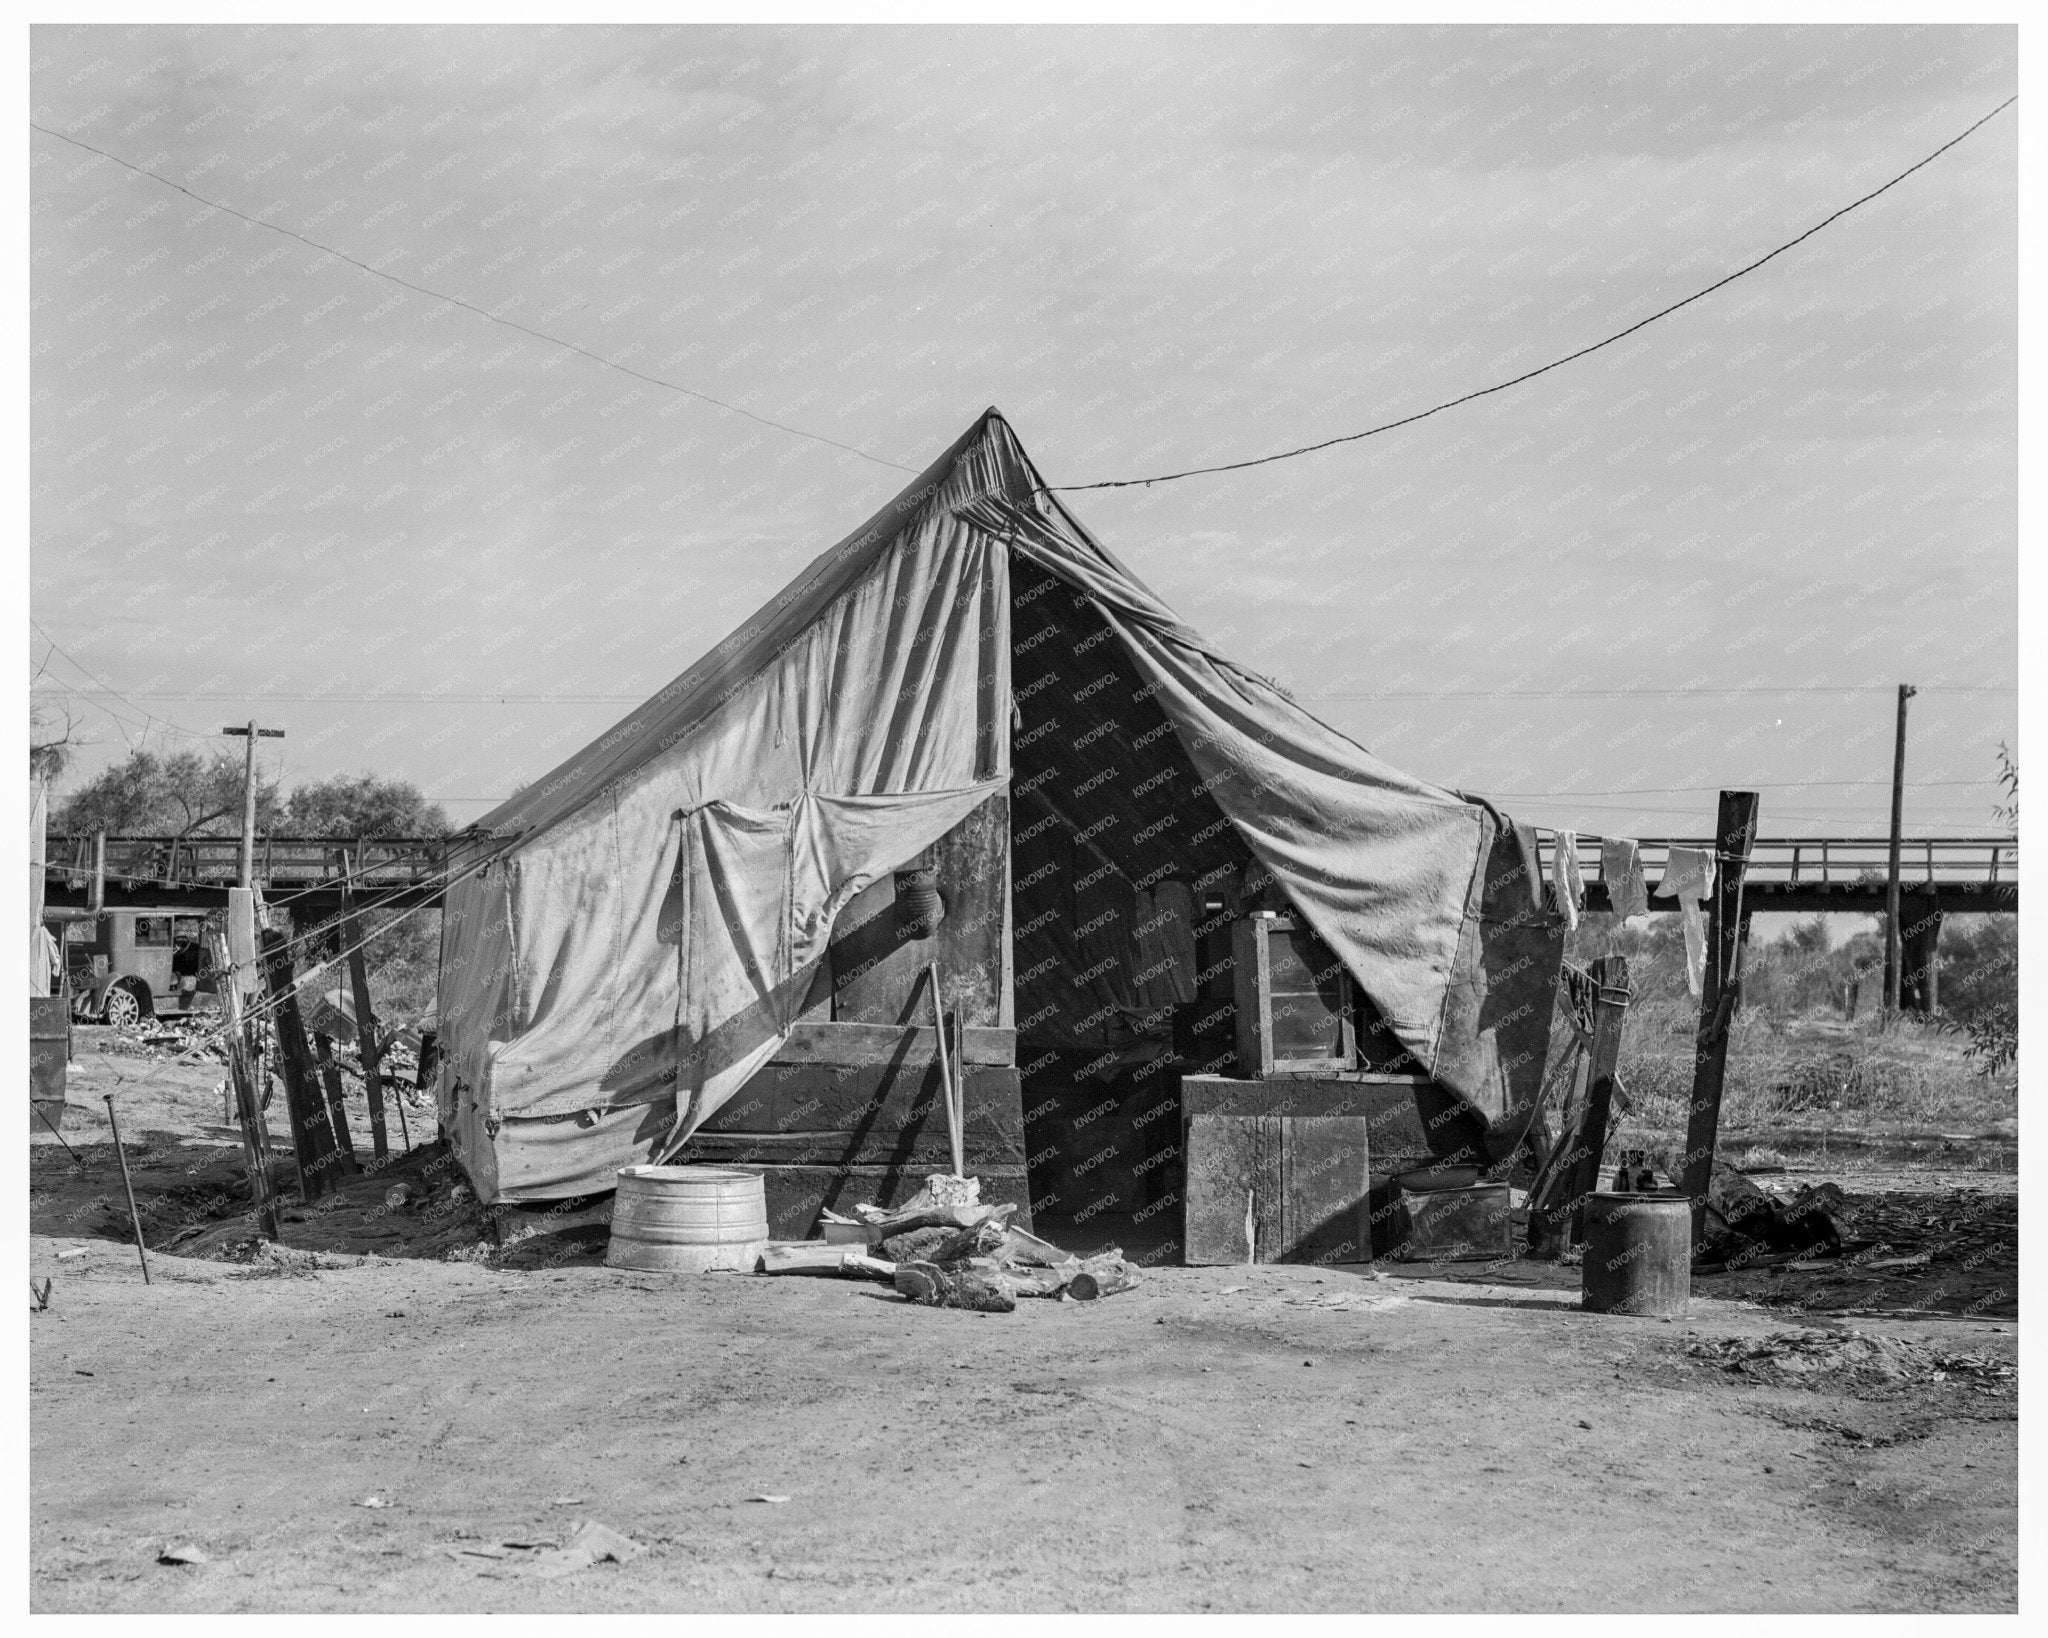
{"type": "Point", "coordinates": [1564, 877]}
{"type": "Point", "coordinates": [1621, 867]}
{"type": "Point", "coordinates": [1689, 878]}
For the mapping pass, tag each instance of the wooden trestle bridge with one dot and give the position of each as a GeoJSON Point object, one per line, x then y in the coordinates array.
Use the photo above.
{"type": "Point", "coordinates": [1954, 875]}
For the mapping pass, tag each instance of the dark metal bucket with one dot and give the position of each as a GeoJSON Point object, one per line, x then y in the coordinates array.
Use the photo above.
{"type": "Point", "coordinates": [1638, 1255]}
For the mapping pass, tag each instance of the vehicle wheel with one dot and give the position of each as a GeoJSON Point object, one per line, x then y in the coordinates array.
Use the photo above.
{"type": "Point", "coordinates": [122, 1007]}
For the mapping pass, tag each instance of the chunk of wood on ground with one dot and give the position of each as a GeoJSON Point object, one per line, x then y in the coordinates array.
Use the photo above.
{"type": "Point", "coordinates": [978, 1290]}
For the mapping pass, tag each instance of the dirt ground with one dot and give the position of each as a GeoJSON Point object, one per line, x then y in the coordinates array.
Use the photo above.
{"type": "Point", "coordinates": [1268, 1438]}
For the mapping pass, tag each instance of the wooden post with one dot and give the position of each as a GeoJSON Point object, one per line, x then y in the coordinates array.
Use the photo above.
{"type": "Point", "coordinates": [337, 1108]}
{"type": "Point", "coordinates": [366, 1029]}
{"type": "Point", "coordinates": [1720, 992]}
{"type": "Point", "coordinates": [255, 1140]}
{"type": "Point", "coordinates": [1610, 1010]}
{"type": "Point", "coordinates": [128, 1186]}
{"type": "Point", "coordinates": [1891, 881]}
{"type": "Point", "coordinates": [249, 796]}
{"type": "Point", "coordinates": [312, 1138]}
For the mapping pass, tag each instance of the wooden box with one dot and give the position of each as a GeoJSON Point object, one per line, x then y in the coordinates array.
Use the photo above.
{"type": "Point", "coordinates": [1457, 1225]}
{"type": "Point", "coordinates": [1293, 1000]}
{"type": "Point", "coordinates": [1274, 1174]}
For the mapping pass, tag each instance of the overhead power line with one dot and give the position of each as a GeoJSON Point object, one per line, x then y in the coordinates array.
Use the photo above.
{"type": "Point", "coordinates": [1760, 784]}
{"type": "Point", "coordinates": [1541, 369]}
{"type": "Point", "coordinates": [336, 697]}
{"type": "Point", "coordinates": [86, 695]}
{"type": "Point", "coordinates": [457, 301]}
{"type": "Point", "coordinates": [1653, 693]}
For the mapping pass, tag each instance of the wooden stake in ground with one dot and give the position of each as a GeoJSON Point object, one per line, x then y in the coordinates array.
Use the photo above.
{"type": "Point", "coordinates": [1720, 992]}
{"type": "Point", "coordinates": [352, 932]}
{"type": "Point", "coordinates": [255, 1140]}
{"type": "Point", "coordinates": [134, 1216]}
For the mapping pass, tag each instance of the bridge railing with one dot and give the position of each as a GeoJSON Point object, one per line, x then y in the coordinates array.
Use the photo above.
{"type": "Point", "coordinates": [281, 862]}
{"type": "Point", "coordinates": [1802, 861]}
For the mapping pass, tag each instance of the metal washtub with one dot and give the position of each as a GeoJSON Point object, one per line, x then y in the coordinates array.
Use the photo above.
{"type": "Point", "coordinates": [687, 1219]}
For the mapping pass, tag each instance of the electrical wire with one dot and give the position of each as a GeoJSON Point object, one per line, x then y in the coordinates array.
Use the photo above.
{"type": "Point", "coordinates": [149, 716]}
{"type": "Point", "coordinates": [1541, 369]}
{"type": "Point", "coordinates": [1653, 693]}
{"type": "Point", "coordinates": [457, 301]}
{"type": "Point", "coordinates": [1398, 694]}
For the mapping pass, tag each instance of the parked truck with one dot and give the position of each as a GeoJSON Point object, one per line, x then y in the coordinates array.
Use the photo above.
{"type": "Point", "coordinates": [130, 964]}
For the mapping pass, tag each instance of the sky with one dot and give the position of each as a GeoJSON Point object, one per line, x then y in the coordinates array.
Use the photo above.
{"type": "Point", "coordinates": [268, 482]}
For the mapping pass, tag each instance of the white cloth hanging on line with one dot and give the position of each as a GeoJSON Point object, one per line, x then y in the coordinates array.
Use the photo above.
{"type": "Point", "coordinates": [1689, 878]}
{"type": "Point", "coordinates": [1621, 867]}
{"type": "Point", "coordinates": [1564, 876]}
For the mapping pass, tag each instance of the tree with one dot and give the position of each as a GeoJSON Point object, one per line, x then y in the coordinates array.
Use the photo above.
{"type": "Point", "coordinates": [363, 805]}
{"type": "Point", "coordinates": [179, 793]}
{"type": "Point", "coordinates": [51, 743]}
{"type": "Point", "coordinates": [402, 951]}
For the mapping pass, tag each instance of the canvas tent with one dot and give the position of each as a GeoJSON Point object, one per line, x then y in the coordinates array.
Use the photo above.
{"type": "Point", "coordinates": [639, 932]}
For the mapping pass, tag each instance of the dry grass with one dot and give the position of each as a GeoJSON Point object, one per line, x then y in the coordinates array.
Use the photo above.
{"type": "Point", "coordinates": [1813, 1071]}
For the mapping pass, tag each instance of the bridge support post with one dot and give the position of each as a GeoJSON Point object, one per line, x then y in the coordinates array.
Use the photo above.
{"type": "Point", "coordinates": [1720, 992]}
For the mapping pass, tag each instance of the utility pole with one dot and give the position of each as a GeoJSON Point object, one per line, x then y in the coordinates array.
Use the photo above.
{"type": "Point", "coordinates": [249, 800]}
{"type": "Point", "coordinates": [1891, 884]}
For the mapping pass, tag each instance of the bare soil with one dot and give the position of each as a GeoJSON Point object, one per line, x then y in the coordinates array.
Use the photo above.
{"type": "Point", "coordinates": [1270, 1438]}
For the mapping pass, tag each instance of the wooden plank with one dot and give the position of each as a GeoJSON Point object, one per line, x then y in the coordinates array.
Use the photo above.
{"type": "Point", "coordinates": [1610, 1012]}
{"type": "Point", "coordinates": [826, 1098]}
{"type": "Point", "coordinates": [337, 1106]}
{"type": "Point", "coordinates": [1373, 1095]}
{"type": "Point", "coordinates": [851, 1043]}
{"type": "Point", "coordinates": [312, 1138]}
{"type": "Point", "coordinates": [352, 935]}
{"type": "Point", "coordinates": [1233, 1174]}
{"type": "Point", "coordinates": [1325, 1178]}
{"type": "Point", "coordinates": [1248, 964]}
{"type": "Point", "coordinates": [926, 1151]}
{"type": "Point", "coordinates": [1720, 992]}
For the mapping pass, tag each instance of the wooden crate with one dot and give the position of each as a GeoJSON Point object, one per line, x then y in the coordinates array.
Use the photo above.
{"type": "Point", "coordinates": [1293, 1000]}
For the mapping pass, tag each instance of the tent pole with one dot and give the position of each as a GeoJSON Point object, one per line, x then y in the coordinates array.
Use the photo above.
{"type": "Point", "coordinates": [946, 1075]}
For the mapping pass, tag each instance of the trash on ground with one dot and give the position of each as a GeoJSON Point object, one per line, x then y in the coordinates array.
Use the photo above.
{"type": "Point", "coordinates": [772, 1500]}
{"type": "Point", "coordinates": [1814, 1357]}
{"type": "Point", "coordinates": [184, 1554]}
{"type": "Point", "coordinates": [949, 1254]}
{"type": "Point", "coordinates": [591, 1543]}
{"type": "Point", "coordinates": [39, 1293]}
